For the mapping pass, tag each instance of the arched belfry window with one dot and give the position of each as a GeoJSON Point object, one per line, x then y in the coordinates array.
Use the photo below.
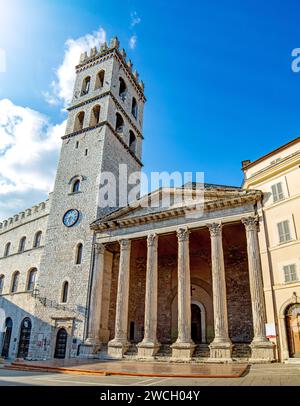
{"type": "Point", "coordinates": [132, 141]}
{"type": "Point", "coordinates": [119, 123]}
{"type": "Point", "coordinates": [134, 108]}
{"type": "Point", "coordinates": [100, 80]}
{"type": "Point", "coordinates": [79, 120]}
{"type": "Point", "coordinates": [7, 249]}
{"type": "Point", "coordinates": [15, 282]}
{"type": "Point", "coordinates": [95, 116]}
{"type": "Point", "coordinates": [76, 186]}
{"type": "Point", "coordinates": [122, 89]}
{"type": "Point", "coordinates": [86, 85]}
{"type": "Point", "coordinates": [79, 251]}
{"type": "Point", "coordinates": [65, 292]}
{"type": "Point", "coordinates": [37, 239]}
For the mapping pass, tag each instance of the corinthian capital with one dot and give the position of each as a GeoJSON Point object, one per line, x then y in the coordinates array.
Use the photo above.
{"type": "Point", "coordinates": [125, 244]}
{"type": "Point", "coordinates": [251, 223]}
{"type": "Point", "coordinates": [152, 240]}
{"type": "Point", "coordinates": [215, 229]}
{"type": "Point", "coordinates": [99, 248]}
{"type": "Point", "coordinates": [183, 234]}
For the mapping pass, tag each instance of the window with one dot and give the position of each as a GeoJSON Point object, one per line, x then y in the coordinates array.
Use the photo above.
{"type": "Point", "coordinates": [277, 192]}
{"type": "Point", "coordinates": [7, 249]}
{"type": "Point", "coordinates": [79, 120]}
{"type": "Point", "coordinates": [290, 274]}
{"type": "Point", "coordinates": [64, 295]}
{"type": "Point", "coordinates": [37, 239]}
{"type": "Point", "coordinates": [85, 85]}
{"type": "Point", "coordinates": [1, 283]}
{"type": "Point", "coordinates": [76, 186]}
{"type": "Point", "coordinates": [95, 116]}
{"type": "Point", "coordinates": [86, 152]}
{"type": "Point", "coordinates": [79, 250]}
{"type": "Point", "coordinates": [122, 89]}
{"type": "Point", "coordinates": [22, 244]}
{"type": "Point", "coordinates": [100, 80]}
{"type": "Point", "coordinates": [134, 108]}
{"type": "Point", "coordinates": [15, 282]}
{"type": "Point", "coordinates": [132, 141]}
{"type": "Point", "coordinates": [284, 231]}
{"type": "Point", "coordinates": [77, 144]}
{"type": "Point", "coordinates": [119, 123]}
{"type": "Point", "coordinates": [31, 279]}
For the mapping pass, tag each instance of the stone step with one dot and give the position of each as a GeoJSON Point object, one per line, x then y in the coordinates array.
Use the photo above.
{"type": "Point", "coordinates": [241, 350]}
{"type": "Point", "coordinates": [201, 351]}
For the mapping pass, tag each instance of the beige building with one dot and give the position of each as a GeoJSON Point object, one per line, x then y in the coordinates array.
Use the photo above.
{"type": "Point", "coordinates": [277, 175]}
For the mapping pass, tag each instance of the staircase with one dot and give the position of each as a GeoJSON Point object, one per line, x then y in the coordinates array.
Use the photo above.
{"type": "Point", "coordinates": [241, 351]}
{"type": "Point", "coordinates": [201, 351]}
{"type": "Point", "coordinates": [131, 352]}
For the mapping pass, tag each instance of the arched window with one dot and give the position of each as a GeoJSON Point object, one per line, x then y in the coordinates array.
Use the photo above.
{"type": "Point", "coordinates": [22, 244]}
{"type": "Point", "coordinates": [85, 85]}
{"type": "Point", "coordinates": [134, 108]}
{"type": "Point", "coordinates": [79, 120]}
{"type": "Point", "coordinates": [76, 186]}
{"type": "Point", "coordinates": [1, 283]}
{"type": "Point", "coordinates": [122, 89]}
{"type": "Point", "coordinates": [37, 239]}
{"type": "Point", "coordinates": [15, 282]}
{"type": "Point", "coordinates": [65, 291]}
{"type": "Point", "coordinates": [95, 116]}
{"type": "Point", "coordinates": [119, 123]}
{"type": "Point", "coordinates": [99, 80]}
{"type": "Point", "coordinates": [79, 250]}
{"type": "Point", "coordinates": [7, 249]}
{"type": "Point", "coordinates": [132, 141]}
{"type": "Point", "coordinates": [31, 279]}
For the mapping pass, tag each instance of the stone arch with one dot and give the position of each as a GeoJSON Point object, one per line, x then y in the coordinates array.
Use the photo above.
{"type": "Point", "coordinates": [282, 325]}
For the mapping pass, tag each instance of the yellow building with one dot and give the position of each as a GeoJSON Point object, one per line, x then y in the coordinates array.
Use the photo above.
{"type": "Point", "coordinates": [277, 174]}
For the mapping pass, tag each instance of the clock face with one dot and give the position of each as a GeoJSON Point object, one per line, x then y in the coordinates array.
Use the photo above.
{"type": "Point", "coordinates": [71, 217]}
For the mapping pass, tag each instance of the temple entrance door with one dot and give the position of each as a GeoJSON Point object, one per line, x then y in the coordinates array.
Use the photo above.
{"type": "Point", "coordinates": [293, 330]}
{"type": "Point", "coordinates": [61, 344]}
{"type": "Point", "coordinates": [196, 332]}
{"type": "Point", "coordinates": [7, 336]}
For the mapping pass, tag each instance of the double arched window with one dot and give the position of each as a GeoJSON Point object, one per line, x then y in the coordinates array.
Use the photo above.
{"type": "Point", "coordinates": [37, 239]}
{"type": "Point", "coordinates": [15, 282]}
{"type": "Point", "coordinates": [22, 244]}
{"type": "Point", "coordinates": [79, 252]}
{"type": "Point", "coordinates": [7, 249]}
{"type": "Point", "coordinates": [65, 292]}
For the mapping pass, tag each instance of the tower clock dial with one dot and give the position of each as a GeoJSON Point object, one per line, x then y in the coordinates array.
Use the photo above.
{"type": "Point", "coordinates": [71, 217]}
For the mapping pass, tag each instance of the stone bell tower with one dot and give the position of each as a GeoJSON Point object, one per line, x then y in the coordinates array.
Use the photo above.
{"type": "Point", "coordinates": [104, 131]}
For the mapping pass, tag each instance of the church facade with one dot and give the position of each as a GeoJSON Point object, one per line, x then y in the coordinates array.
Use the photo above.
{"type": "Point", "coordinates": [78, 279]}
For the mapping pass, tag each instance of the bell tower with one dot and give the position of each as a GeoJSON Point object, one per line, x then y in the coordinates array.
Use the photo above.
{"type": "Point", "coordinates": [104, 131]}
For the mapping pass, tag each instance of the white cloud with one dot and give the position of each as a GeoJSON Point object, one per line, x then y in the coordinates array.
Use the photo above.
{"type": "Point", "coordinates": [132, 41]}
{"type": "Point", "coordinates": [29, 148]}
{"type": "Point", "coordinates": [135, 19]}
{"type": "Point", "coordinates": [61, 89]}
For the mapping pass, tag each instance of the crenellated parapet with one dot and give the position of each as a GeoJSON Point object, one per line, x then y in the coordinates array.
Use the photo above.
{"type": "Point", "coordinates": [29, 214]}
{"type": "Point", "coordinates": [106, 50]}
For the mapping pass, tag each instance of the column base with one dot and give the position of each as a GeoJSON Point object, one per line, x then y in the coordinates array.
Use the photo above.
{"type": "Point", "coordinates": [220, 352]}
{"type": "Point", "coordinates": [182, 350]}
{"type": "Point", "coordinates": [262, 352]}
{"type": "Point", "coordinates": [147, 349]}
{"type": "Point", "coordinates": [117, 348]}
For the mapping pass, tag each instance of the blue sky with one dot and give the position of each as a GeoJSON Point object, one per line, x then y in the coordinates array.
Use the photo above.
{"type": "Point", "coordinates": [218, 79]}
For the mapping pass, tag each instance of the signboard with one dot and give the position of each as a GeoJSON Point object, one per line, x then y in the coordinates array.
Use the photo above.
{"type": "Point", "coordinates": [270, 330]}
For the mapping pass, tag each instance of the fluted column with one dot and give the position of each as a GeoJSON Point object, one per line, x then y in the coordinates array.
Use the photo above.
{"type": "Point", "coordinates": [93, 337]}
{"type": "Point", "coordinates": [149, 346]}
{"type": "Point", "coordinates": [184, 346]}
{"type": "Point", "coordinates": [221, 346]}
{"type": "Point", "coordinates": [118, 346]}
{"type": "Point", "coordinates": [262, 348]}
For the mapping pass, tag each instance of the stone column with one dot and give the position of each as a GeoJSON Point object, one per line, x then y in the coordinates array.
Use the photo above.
{"type": "Point", "coordinates": [149, 346]}
{"type": "Point", "coordinates": [93, 336]}
{"type": "Point", "coordinates": [119, 345]}
{"type": "Point", "coordinates": [262, 348]}
{"type": "Point", "coordinates": [221, 347]}
{"type": "Point", "coordinates": [183, 347]}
